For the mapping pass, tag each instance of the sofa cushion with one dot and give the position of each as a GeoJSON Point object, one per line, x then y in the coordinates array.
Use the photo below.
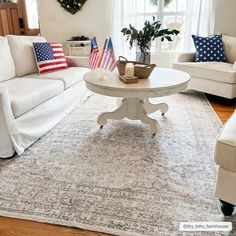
{"type": "Point", "coordinates": [217, 71]}
{"type": "Point", "coordinates": [23, 54]}
{"type": "Point", "coordinates": [69, 76]}
{"type": "Point", "coordinates": [27, 93]}
{"type": "Point", "coordinates": [7, 67]}
{"type": "Point", "coordinates": [225, 149]}
{"type": "Point", "coordinates": [230, 48]}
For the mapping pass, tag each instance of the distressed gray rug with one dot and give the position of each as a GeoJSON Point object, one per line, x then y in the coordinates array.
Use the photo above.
{"type": "Point", "coordinates": [119, 180]}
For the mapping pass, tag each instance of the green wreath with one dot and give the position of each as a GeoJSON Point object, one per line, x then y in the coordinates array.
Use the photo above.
{"type": "Point", "coordinates": [72, 6]}
{"type": "Point", "coordinates": [166, 2]}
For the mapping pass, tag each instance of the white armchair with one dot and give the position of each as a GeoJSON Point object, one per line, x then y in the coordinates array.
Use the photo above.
{"type": "Point", "coordinates": [225, 157]}
{"type": "Point", "coordinates": [218, 78]}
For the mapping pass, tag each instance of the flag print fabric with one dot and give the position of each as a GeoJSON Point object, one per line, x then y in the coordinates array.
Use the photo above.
{"type": "Point", "coordinates": [107, 60]}
{"type": "Point", "coordinates": [94, 55]}
{"type": "Point", "coordinates": [49, 57]}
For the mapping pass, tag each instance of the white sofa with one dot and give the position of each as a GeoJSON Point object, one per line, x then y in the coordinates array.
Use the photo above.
{"type": "Point", "coordinates": [32, 104]}
{"type": "Point", "coordinates": [225, 157]}
{"type": "Point", "coordinates": [216, 78]}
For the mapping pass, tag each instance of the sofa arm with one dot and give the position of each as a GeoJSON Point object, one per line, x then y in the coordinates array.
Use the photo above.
{"type": "Point", "coordinates": [187, 57]}
{"type": "Point", "coordinates": [80, 61]}
{"type": "Point", "coordinates": [6, 122]}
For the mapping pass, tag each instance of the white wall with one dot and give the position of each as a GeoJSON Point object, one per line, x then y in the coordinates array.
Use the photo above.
{"type": "Point", "coordinates": [58, 25]}
{"type": "Point", "coordinates": [225, 17]}
{"type": "Point", "coordinates": [94, 19]}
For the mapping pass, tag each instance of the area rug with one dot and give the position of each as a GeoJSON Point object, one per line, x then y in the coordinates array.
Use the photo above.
{"type": "Point", "coordinates": [119, 180]}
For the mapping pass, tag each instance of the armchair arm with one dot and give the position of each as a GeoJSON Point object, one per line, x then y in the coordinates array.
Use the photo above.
{"type": "Point", "coordinates": [6, 121]}
{"type": "Point", "coordinates": [80, 61]}
{"type": "Point", "coordinates": [187, 57]}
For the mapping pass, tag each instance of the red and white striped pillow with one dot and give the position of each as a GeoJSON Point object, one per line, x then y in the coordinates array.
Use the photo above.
{"type": "Point", "coordinates": [49, 57]}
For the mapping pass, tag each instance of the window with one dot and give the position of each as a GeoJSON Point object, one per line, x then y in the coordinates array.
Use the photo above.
{"type": "Point", "coordinates": [171, 13]}
{"type": "Point", "coordinates": [32, 14]}
{"type": "Point", "coordinates": [173, 17]}
{"type": "Point", "coordinates": [188, 16]}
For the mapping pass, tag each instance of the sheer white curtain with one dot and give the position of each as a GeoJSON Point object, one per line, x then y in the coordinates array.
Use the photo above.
{"type": "Point", "coordinates": [199, 21]}
{"type": "Point", "coordinates": [127, 12]}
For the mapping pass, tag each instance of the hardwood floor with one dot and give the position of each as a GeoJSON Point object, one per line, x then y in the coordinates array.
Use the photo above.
{"type": "Point", "coordinates": [15, 227]}
{"type": "Point", "coordinates": [223, 107]}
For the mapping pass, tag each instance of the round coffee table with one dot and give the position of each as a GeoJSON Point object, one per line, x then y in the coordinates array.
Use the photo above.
{"type": "Point", "coordinates": [135, 104]}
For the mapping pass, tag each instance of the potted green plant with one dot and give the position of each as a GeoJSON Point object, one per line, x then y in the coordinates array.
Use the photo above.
{"type": "Point", "coordinates": [142, 38]}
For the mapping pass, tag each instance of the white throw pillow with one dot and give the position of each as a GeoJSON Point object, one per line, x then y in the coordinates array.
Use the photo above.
{"type": "Point", "coordinates": [23, 54]}
{"type": "Point", "coordinates": [230, 48]}
{"type": "Point", "coordinates": [7, 67]}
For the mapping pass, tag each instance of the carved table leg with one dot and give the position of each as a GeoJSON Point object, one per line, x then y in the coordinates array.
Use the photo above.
{"type": "Point", "coordinates": [142, 115]}
{"type": "Point", "coordinates": [227, 208]}
{"type": "Point", "coordinates": [150, 108]}
{"type": "Point", "coordinates": [118, 114]}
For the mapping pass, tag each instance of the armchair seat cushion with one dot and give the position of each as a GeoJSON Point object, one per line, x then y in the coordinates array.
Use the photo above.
{"type": "Point", "coordinates": [217, 71]}
{"type": "Point", "coordinates": [26, 93]}
{"type": "Point", "coordinates": [68, 76]}
{"type": "Point", "coordinates": [225, 149]}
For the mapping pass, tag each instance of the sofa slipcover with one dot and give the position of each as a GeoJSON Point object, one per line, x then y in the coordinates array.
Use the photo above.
{"type": "Point", "coordinates": [7, 68]}
{"type": "Point", "coordinates": [68, 76]}
{"type": "Point", "coordinates": [23, 54]}
{"type": "Point", "coordinates": [216, 71]}
{"type": "Point", "coordinates": [26, 93]}
{"type": "Point", "coordinates": [225, 149]}
{"type": "Point", "coordinates": [30, 107]}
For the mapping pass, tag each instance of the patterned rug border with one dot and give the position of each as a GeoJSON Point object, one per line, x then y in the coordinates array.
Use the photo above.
{"type": "Point", "coordinates": [65, 223]}
{"type": "Point", "coordinates": [95, 228]}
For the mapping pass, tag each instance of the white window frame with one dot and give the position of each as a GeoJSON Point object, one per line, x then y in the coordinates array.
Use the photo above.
{"type": "Point", "coordinates": [160, 14]}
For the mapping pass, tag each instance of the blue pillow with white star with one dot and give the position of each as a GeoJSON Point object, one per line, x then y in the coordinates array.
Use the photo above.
{"type": "Point", "coordinates": [209, 48]}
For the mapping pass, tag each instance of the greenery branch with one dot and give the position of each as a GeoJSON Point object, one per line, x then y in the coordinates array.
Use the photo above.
{"type": "Point", "coordinates": [150, 32]}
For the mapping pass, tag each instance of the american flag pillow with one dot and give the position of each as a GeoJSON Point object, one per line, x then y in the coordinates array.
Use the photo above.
{"type": "Point", "coordinates": [49, 57]}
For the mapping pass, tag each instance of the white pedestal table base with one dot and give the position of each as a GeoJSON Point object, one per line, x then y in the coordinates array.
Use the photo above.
{"type": "Point", "coordinates": [135, 109]}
